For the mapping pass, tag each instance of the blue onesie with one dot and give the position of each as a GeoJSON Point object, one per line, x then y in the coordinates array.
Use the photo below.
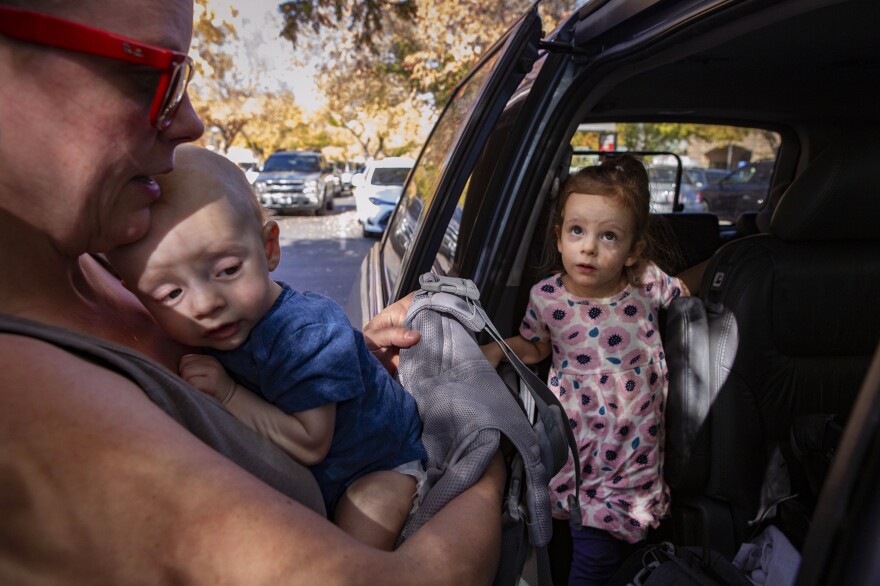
{"type": "Point", "coordinates": [304, 353]}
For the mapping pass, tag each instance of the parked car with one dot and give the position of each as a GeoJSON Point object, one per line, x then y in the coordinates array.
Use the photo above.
{"type": "Point", "coordinates": [702, 177]}
{"type": "Point", "coordinates": [296, 181]}
{"type": "Point", "coordinates": [672, 188]}
{"type": "Point", "coordinates": [376, 191]}
{"type": "Point", "coordinates": [798, 327]}
{"type": "Point", "coordinates": [246, 160]}
{"type": "Point", "coordinates": [251, 171]}
{"type": "Point", "coordinates": [663, 180]}
{"type": "Point", "coordinates": [336, 179]}
{"type": "Point", "coordinates": [346, 172]}
{"type": "Point", "coordinates": [743, 190]}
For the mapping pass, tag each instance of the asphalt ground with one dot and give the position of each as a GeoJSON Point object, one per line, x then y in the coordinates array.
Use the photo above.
{"type": "Point", "coordinates": [322, 253]}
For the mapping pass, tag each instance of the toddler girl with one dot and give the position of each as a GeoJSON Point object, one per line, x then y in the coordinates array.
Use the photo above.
{"type": "Point", "coordinates": [597, 316]}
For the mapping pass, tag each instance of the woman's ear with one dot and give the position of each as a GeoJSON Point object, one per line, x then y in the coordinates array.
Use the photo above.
{"type": "Point", "coordinates": [272, 243]}
{"type": "Point", "coordinates": [636, 253]}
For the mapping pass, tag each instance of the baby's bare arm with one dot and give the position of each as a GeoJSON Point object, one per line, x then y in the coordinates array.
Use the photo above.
{"type": "Point", "coordinates": [305, 436]}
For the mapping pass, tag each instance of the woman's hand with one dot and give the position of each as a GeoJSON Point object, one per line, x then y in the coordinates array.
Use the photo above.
{"type": "Point", "coordinates": [385, 335]}
{"type": "Point", "coordinates": [207, 375]}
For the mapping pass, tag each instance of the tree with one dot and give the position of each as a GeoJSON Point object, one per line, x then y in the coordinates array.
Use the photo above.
{"type": "Point", "coordinates": [366, 19]}
{"type": "Point", "coordinates": [281, 125]}
{"type": "Point", "coordinates": [379, 86]}
{"type": "Point", "coordinates": [222, 95]}
{"type": "Point", "coordinates": [369, 104]}
{"type": "Point", "coordinates": [669, 136]}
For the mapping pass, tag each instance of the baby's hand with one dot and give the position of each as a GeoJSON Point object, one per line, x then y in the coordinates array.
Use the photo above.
{"type": "Point", "coordinates": [207, 375]}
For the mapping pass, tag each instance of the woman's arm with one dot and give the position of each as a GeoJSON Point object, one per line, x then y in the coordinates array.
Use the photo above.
{"type": "Point", "coordinates": [385, 334]}
{"type": "Point", "coordinates": [99, 483]}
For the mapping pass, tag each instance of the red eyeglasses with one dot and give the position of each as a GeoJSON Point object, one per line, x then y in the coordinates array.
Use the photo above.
{"type": "Point", "coordinates": [50, 31]}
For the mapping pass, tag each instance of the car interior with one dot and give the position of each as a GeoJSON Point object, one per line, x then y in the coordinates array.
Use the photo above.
{"type": "Point", "coordinates": [767, 358]}
{"type": "Point", "coordinates": [783, 327]}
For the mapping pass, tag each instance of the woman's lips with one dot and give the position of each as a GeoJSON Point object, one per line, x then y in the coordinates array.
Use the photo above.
{"type": "Point", "coordinates": [148, 186]}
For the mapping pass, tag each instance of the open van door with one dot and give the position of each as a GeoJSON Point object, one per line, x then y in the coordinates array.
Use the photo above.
{"type": "Point", "coordinates": [442, 168]}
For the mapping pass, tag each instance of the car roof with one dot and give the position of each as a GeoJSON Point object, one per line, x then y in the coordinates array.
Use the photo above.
{"type": "Point", "coordinates": [392, 162]}
{"type": "Point", "coordinates": [292, 153]}
{"type": "Point", "coordinates": [753, 69]}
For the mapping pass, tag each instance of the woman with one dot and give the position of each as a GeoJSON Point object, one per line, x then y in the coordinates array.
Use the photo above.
{"type": "Point", "coordinates": [98, 480]}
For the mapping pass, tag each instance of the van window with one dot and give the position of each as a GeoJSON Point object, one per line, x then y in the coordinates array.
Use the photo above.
{"type": "Point", "coordinates": [734, 165]}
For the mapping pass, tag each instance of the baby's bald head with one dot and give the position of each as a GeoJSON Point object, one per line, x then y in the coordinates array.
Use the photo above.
{"type": "Point", "coordinates": [200, 177]}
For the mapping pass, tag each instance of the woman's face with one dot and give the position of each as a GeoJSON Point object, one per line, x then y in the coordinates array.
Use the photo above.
{"type": "Point", "coordinates": [77, 146]}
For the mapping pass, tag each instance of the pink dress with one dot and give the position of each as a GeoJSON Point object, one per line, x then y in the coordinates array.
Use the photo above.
{"type": "Point", "coordinates": [609, 371]}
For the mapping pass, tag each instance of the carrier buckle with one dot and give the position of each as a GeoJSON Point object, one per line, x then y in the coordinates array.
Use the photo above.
{"type": "Point", "coordinates": [457, 286]}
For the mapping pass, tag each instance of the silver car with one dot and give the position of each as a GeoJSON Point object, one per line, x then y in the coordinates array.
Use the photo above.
{"type": "Point", "coordinates": [296, 181]}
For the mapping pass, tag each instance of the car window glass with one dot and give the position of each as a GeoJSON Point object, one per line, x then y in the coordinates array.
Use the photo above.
{"type": "Point", "coordinates": [725, 170]}
{"type": "Point", "coordinates": [662, 174]}
{"type": "Point", "coordinates": [460, 232]}
{"type": "Point", "coordinates": [389, 175]}
{"type": "Point", "coordinates": [744, 175]}
{"type": "Point", "coordinates": [444, 262]}
{"type": "Point", "coordinates": [276, 163]}
{"type": "Point", "coordinates": [414, 200]}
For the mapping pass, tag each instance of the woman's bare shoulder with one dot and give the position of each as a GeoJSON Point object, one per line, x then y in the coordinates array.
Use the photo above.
{"type": "Point", "coordinates": [91, 458]}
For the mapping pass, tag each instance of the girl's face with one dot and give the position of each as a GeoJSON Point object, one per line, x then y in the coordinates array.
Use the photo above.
{"type": "Point", "coordinates": [81, 166]}
{"type": "Point", "coordinates": [596, 242]}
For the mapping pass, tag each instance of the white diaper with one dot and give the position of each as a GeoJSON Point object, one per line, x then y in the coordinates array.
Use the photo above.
{"type": "Point", "coordinates": [417, 471]}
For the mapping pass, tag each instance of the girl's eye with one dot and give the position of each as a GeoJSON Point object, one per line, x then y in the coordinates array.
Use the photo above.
{"type": "Point", "coordinates": [576, 230]}
{"type": "Point", "coordinates": [610, 236]}
{"type": "Point", "coordinates": [174, 294]}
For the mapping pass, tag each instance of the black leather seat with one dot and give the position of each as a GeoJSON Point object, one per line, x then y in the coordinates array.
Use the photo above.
{"type": "Point", "coordinates": [693, 236]}
{"type": "Point", "coordinates": [787, 324]}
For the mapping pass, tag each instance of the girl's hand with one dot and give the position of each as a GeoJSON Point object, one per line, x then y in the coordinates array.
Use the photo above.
{"type": "Point", "coordinates": [493, 353]}
{"type": "Point", "coordinates": [207, 375]}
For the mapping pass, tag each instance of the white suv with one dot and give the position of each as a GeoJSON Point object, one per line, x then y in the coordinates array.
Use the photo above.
{"type": "Point", "coordinates": [377, 190]}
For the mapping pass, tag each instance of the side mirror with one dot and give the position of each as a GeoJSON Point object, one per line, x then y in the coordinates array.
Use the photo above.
{"type": "Point", "coordinates": [358, 180]}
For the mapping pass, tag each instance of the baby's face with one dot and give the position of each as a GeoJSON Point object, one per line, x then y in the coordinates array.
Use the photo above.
{"type": "Point", "coordinates": [205, 277]}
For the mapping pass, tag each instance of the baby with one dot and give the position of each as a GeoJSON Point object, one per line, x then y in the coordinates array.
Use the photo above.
{"type": "Point", "coordinates": [203, 272]}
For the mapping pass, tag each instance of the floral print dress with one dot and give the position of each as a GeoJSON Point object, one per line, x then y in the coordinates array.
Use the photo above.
{"type": "Point", "coordinates": [609, 372]}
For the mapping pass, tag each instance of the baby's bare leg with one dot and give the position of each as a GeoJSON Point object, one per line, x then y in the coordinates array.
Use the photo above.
{"type": "Point", "coordinates": [375, 507]}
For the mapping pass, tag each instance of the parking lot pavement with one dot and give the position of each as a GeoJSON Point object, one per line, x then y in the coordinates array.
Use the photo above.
{"type": "Point", "coordinates": [322, 253]}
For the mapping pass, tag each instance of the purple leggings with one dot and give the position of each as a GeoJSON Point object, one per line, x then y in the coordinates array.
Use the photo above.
{"type": "Point", "coordinates": [596, 555]}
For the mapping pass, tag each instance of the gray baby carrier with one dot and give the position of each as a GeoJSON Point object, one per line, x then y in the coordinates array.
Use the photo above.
{"type": "Point", "coordinates": [466, 407]}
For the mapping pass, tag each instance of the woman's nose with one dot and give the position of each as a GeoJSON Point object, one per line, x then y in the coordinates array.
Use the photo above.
{"type": "Point", "coordinates": [185, 126]}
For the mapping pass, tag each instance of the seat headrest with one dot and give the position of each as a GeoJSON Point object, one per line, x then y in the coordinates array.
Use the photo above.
{"type": "Point", "coordinates": [836, 197]}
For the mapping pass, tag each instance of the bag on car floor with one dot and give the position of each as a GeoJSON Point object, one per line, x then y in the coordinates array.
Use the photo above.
{"type": "Point", "coordinates": [468, 412]}
{"type": "Point", "coordinates": [665, 564]}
